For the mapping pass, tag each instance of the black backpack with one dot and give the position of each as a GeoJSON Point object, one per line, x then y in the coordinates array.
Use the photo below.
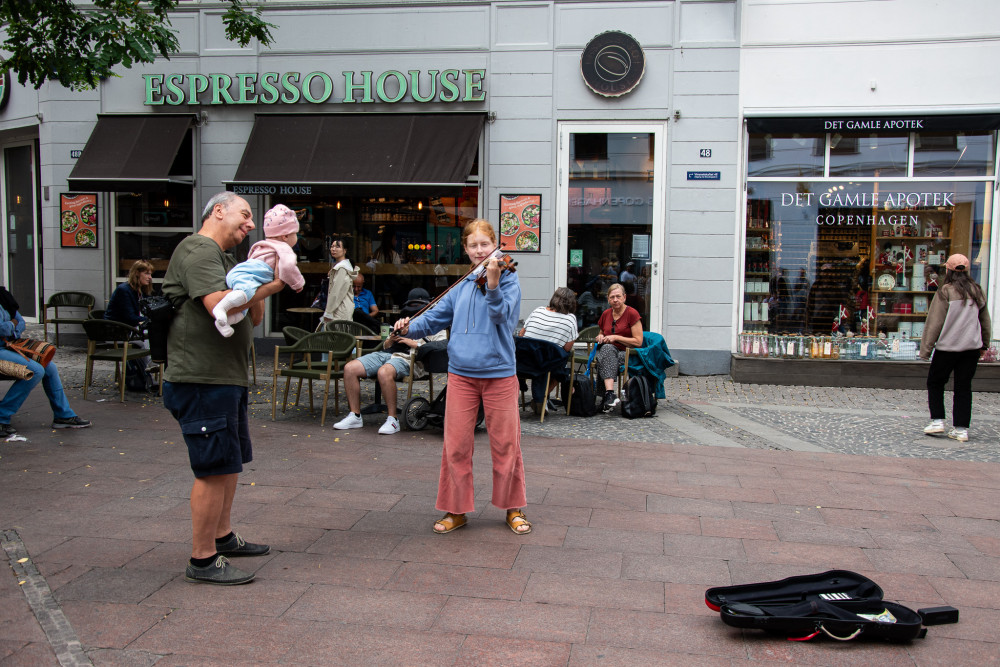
{"type": "Point", "coordinates": [640, 398]}
{"type": "Point", "coordinates": [584, 402]}
{"type": "Point", "coordinates": [137, 378]}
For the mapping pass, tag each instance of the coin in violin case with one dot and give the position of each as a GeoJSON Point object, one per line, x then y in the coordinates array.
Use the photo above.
{"type": "Point", "coordinates": [837, 604]}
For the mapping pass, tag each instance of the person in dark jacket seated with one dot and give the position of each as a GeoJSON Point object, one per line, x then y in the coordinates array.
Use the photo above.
{"type": "Point", "coordinates": [124, 303]}
{"type": "Point", "coordinates": [555, 323]}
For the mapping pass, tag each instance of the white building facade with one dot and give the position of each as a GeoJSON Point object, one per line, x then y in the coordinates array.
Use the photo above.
{"type": "Point", "coordinates": [607, 141]}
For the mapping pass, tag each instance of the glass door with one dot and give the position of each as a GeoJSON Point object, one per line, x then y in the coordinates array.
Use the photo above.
{"type": "Point", "coordinates": [610, 217]}
{"type": "Point", "coordinates": [19, 210]}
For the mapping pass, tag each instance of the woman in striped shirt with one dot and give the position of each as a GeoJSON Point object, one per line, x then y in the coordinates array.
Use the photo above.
{"type": "Point", "coordinates": [555, 323]}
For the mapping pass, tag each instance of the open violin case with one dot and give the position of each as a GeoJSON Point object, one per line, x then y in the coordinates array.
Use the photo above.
{"type": "Point", "coordinates": [840, 604]}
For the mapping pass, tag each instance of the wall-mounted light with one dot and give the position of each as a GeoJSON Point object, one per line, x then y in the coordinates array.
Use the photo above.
{"type": "Point", "coordinates": [338, 204]}
{"type": "Point", "coordinates": [166, 203]}
{"type": "Point", "coordinates": [17, 199]}
{"type": "Point", "coordinates": [420, 206]}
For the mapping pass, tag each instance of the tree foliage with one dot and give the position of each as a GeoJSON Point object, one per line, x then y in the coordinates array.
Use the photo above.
{"type": "Point", "coordinates": [78, 46]}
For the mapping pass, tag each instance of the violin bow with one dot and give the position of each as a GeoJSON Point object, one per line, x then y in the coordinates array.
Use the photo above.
{"type": "Point", "coordinates": [433, 302]}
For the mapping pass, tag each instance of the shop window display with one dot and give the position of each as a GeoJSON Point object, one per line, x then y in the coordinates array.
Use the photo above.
{"type": "Point", "coordinates": [839, 268]}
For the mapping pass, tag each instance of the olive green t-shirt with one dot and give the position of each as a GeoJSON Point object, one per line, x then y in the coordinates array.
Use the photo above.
{"type": "Point", "coordinates": [196, 351]}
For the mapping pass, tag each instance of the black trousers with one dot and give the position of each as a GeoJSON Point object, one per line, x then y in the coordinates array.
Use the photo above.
{"type": "Point", "coordinates": [964, 366]}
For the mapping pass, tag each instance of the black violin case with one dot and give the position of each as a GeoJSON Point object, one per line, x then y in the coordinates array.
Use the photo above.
{"type": "Point", "coordinates": [840, 604]}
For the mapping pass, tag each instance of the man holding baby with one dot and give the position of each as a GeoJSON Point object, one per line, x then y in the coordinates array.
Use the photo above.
{"type": "Point", "coordinates": [206, 384]}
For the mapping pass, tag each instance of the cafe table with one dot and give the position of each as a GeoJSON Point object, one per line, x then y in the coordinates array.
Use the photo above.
{"type": "Point", "coordinates": [306, 314]}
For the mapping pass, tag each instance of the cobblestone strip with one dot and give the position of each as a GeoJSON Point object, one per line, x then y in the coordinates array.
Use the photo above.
{"type": "Point", "coordinates": [732, 432]}
{"type": "Point", "coordinates": [62, 638]}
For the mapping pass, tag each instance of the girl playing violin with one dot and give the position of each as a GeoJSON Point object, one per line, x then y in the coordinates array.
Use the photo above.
{"type": "Point", "coordinates": [481, 366]}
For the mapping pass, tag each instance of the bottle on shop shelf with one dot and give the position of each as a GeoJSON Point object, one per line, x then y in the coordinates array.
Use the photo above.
{"type": "Point", "coordinates": [813, 348]}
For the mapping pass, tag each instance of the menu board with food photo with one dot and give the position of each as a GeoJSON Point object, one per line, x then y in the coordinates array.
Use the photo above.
{"type": "Point", "coordinates": [520, 223]}
{"type": "Point", "coordinates": [78, 220]}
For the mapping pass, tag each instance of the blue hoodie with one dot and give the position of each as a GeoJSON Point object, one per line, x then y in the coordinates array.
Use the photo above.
{"type": "Point", "coordinates": [481, 343]}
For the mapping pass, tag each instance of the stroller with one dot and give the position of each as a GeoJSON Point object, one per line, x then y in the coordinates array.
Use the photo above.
{"type": "Point", "coordinates": [418, 412]}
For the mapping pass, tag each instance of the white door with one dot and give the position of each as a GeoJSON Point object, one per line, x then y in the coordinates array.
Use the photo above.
{"type": "Point", "coordinates": [610, 216]}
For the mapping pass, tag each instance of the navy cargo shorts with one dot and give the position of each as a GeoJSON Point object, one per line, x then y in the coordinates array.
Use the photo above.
{"type": "Point", "coordinates": [214, 421]}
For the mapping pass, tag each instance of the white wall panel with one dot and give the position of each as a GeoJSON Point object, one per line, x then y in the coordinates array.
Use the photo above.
{"type": "Point", "coordinates": [684, 268]}
{"type": "Point", "coordinates": [705, 129]}
{"type": "Point", "coordinates": [522, 25]}
{"type": "Point", "coordinates": [700, 291]}
{"type": "Point", "coordinates": [704, 314]}
{"type": "Point", "coordinates": [651, 23]}
{"type": "Point", "coordinates": [521, 62]}
{"type": "Point", "coordinates": [708, 22]}
{"type": "Point", "coordinates": [521, 152]}
{"type": "Point", "coordinates": [868, 21]}
{"type": "Point", "coordinates": [907, 76]}
{"type": "Point", "coordinates": [703, 222]}
{"type": "Point", "coordinates": [381, 29]}
{"type": "Point", "coordinates": [522, 107]}
{"type": "Point", "coordinates": [517, 129]}
{"type": "Point", "coordinates": [694, 335]}
{"type": "Point", "coordinates": [512, 178]}
{"type": "Point", "coordinates": [519, 85]}
{"type": "Point", "coordinates": [721, 197]}
{"type": "Point", "coordinates": [701, 245]}
{"type": "Point", "coordinates": [707, 106]}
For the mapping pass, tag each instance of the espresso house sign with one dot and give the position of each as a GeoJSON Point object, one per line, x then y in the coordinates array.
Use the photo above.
{"type": "Point", "coordinates": [391, 86]}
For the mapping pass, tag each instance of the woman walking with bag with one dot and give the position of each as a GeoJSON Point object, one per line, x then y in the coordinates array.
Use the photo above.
{"type": "Point", "coordinates": [957, 330]}
{"type": "Point", "coordinates": [481, 366]}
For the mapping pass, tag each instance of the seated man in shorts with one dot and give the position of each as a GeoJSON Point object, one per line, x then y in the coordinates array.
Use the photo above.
{"type": "Point", "coordinates": [390, 364]}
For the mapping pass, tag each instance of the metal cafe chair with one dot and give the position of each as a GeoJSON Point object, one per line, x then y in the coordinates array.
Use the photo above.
{"type": "Point", "coordinates": [108, 340]}
{"type": "Point", "coordinates": [74, 300]}
{"type": "Point", "coordinates": [304, 363]}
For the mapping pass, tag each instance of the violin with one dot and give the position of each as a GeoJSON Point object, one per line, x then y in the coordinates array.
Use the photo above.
{"type": "Point", "coordinates": [504, 261]}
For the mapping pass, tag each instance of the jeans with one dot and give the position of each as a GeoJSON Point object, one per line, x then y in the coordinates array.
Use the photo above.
{"type": "Point", "coordinates": [942, 364]}
{"type": "Point", "coordinates": [18, 392]}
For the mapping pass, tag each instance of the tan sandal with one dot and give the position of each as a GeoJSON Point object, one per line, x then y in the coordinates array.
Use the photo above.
{"type": "Point", "coordinates": [450, 522]}
{"type": "Point", "coordinates": [515, 520]}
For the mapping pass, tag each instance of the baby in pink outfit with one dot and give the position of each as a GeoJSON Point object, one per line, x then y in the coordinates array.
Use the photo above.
{"type": "Point", "coordinates": [268, 259]}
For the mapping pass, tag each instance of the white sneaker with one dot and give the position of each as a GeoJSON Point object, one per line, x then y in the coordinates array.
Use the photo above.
{"type": "Point", "coordinates": [960, 434]}
{"type": "Point", "coordinates": [390, 427]}
{"type": "Point", "coordinates": [350, 421]}
{"type": "Point", "coordinates": [936, 426]}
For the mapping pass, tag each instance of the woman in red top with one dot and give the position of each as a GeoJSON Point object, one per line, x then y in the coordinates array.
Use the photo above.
{"type": "Point", "coordinates": [621, 327]}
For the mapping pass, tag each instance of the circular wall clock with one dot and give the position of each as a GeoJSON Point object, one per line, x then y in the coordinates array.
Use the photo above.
{"type": "Point", "coordinates": [886, 282]}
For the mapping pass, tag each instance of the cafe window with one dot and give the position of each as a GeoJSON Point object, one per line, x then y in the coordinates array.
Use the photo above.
{"type": "Point", "coordinates": [397, 242]}
{"type": "Point", "coordinates": [149, 225]}
{"type": "Point", "coordinates": [845, 266]}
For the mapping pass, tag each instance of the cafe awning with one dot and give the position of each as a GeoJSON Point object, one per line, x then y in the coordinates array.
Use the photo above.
{"type": "Point", "coordinates": [135, 152]}
{"type": "Point", "coordinates": [329, 151]}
